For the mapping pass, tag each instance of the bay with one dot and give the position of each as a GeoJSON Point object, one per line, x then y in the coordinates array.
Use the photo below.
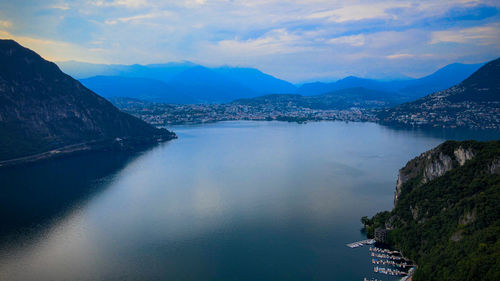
{"type": "Point", "coordinates": [225, 201]}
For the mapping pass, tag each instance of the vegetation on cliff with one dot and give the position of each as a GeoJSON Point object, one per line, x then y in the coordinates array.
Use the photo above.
{"type": "Point", "coordinates": [449, 224]}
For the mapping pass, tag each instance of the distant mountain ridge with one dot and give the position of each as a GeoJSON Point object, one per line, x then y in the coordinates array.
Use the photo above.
{"type": "Point", "coordinates": [473, 103]}
{"type": "Point", "coordinates": [44, 112]}
{"type": "Point", "coordinates": [337, 100]}
{"type": "Point", "coordinates": [187, 82]}
{"type": "Point", "coordinates": [183, 82]}
{"type": "Point", "coordinates": [412, 89]}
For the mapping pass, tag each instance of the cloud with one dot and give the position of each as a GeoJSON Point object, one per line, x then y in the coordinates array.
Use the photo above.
{"type": "Point", "coordinates": [4, 23]}
{"type": "Point", "coordinates": [358, 12]}
{"type": "Point", "coordinates": [124, 3]}
{"type": "Point", "coordinates": [295, 40]}
{"type": "Point", "coordinates": [273, 42]}
{"type": "Point", "coordinates": [400, 56]}
{"type": "Point", "coordinates": [353, 40]}
{"type": "Point", "coordinates": [51, 50]}
{"type": "Point", "coordinates": [139, 17]}
{"type": "Point", "coordinates": [61, 6]}
{"type": "Point", "coordinates": [483, 35]}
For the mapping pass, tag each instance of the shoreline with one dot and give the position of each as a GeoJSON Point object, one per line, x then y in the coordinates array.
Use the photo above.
{"type": "Point", "coordinates": [116, 144]}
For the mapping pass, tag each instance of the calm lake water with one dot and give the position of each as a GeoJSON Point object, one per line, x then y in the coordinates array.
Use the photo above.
{"type": "Point", "coordinates": [225, 201]}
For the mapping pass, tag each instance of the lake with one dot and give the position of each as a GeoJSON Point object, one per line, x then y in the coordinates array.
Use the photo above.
{"type": "Point", "coordinates": [225, 201]}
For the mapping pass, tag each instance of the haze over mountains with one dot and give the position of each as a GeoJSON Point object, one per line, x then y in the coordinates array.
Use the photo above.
{"type": "Point", "coordinates": [190, 83]}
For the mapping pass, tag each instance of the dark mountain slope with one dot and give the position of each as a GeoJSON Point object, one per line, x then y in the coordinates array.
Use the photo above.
{"type": "Point", "coordinates": [474, 103]}
{"type": "Point", "coordinates": [41, 109]}
{"type": "Point", "coordinates": [443, 78]}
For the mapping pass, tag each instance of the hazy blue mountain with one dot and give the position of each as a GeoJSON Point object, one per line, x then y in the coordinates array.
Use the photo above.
{"type": "Point", "coordinates": [185, 82]}
{"type": "Point", "coordinates": [412, 89]}
{"type": "Point", "coordinates": [257, 80]}
{"type": "Point", "coordinates": [42, 109]}
{"type": "Point", "coordinates": [340, 99]}
{"type": "Point", "coordinates": [444, 78]}
{"type": "Point", "coordinates": [139, 88]}
{"type": "Point", "coordinates": [163, 72]}
{"type": "Point", "coordinates": [207, 85]}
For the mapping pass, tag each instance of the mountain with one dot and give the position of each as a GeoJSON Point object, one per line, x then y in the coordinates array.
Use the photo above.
{"type": "Point", "coordinates": [474, 103]}
{"type": "Point", "coordinates": [409, 89]}
{"type": "Point", "coordinates": [139, 88]}
{"type": "Point", "coordinates": [186, 82]}
{"type": "Point", "coordinates": [207, 85]}
{"type": "Point", "coordinates": [317, 88]}
{"type": "Point", "coordinates": [44, 112]}
{"type": "Point", "coordinates": [257, 80]}
{"type": "Point", "coordinates": [163, 72]}
{"type": "Point", "coordinates": [446, 214]}
{"type": "Point", "coordinates": [442, 79]}
{"type": "Point", "coordinates": [338, 100]}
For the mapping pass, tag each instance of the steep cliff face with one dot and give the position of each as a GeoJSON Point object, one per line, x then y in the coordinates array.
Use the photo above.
{"type": "Point", "coordinates": [42, 109]}
{"type": "Point", "coordinates": [447, 213]}
{"type": "Point", "coordinates": [432, 164]}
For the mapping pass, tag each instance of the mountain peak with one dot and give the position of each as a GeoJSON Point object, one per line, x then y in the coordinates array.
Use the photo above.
{"type": "Point", "coordinates": [42, 109]}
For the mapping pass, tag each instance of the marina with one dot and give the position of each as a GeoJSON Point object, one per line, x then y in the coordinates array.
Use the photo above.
{"type": "Point", "coordinates": [361, 243]}
{"type": "Point", "coordinates": [388, 271]}
{"type": "Point", "coordinates": [386, 261]}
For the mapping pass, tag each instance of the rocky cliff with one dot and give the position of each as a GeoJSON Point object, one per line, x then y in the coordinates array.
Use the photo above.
{"type": "Point", "coordinates": [446, 215]}
{"type": "Point", "coordinates": [432, 164]}
{"type": "Point", "coordinates": [44, 112]}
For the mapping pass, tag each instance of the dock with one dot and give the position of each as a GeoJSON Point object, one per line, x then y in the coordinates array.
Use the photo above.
{"type": "Point", "coordinates": [361, 243]}
{"type": "Point", "coordinates": [388, 271]}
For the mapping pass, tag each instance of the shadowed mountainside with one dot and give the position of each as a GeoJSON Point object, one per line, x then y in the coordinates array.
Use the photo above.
{"type": "Point", "coordinates": [42, 109]}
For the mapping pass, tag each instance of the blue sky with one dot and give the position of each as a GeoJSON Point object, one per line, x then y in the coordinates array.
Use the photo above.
{"type": "Point", "coordinates": [294, 40]}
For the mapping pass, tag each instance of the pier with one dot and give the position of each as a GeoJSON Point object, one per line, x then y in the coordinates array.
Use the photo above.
{"type": "Point", "coordinates": [384, 256]}
{"type": "Point", "coordinates": [388, 271]}
{"type": "Point", "coordinates": [385, 251]}
{"type": "Point", "coordinates": [361, 243]}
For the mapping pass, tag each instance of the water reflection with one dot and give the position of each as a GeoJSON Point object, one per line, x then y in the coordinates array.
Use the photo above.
{"type": "Point", "coordinates": [226, 201]}
{"type": "Point", "coordinates": [34, 194]}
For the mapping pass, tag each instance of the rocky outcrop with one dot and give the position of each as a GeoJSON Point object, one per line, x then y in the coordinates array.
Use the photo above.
{"type": "Point", "coordinates": [494, 167]}
{"type": "Point", "coordinates": [432, 164]}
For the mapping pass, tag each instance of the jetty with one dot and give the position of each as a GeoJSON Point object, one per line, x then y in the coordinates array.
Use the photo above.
{"type": "Point", "coordinates": [390, 262]}
{"type": "Point", "coordinates": [361, 243]}
{"type": "Point", "coordinates": [385, 251]}
{"type": "Point", "coordinates": [388, 271]}
{"type": "Point", "coordinates": [385, 256]}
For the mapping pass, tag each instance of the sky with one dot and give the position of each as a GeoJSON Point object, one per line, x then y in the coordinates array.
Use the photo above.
{"type": "Point", "coordinates": [294, 40]}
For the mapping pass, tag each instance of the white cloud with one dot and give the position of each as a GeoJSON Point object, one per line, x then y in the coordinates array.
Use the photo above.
{"type": "Point", "coordinates": [5, 23]}
{"type": "Point", "coordinates": [400, 56]}
{"type": "Point", "coordinates": [61, 6]}
{"type": "Point", "coordinates": [353, 40]}
{"type": "Point", "coordinates": [124, 3]}
{"type": "Point", "coordinates": [483, 35]}
{"type": "Point", "coordinates": [288, 38]}
{"type": "Point", "coordinates": [273, 42]}
{"type": "Point", "coordinates": [139, 17]}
